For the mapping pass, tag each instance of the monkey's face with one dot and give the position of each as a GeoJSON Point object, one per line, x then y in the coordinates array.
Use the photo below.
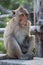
{"type": "Point", "coordinates": [23, 20]}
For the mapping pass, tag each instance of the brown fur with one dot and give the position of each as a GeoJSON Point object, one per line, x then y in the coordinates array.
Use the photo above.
{"type": "Point", "coordinates": [14, 36]}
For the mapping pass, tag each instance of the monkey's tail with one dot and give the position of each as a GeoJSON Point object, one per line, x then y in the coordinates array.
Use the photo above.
{"type": "Point", "coordinates": [6, 57]}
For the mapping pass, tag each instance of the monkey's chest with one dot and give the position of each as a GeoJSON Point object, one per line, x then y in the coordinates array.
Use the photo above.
{"type": "Point", "coordinates": [20, 36]}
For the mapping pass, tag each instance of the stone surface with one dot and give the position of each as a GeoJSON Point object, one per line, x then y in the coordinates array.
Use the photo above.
{"type": "Point", "coordinates": [35, 61]}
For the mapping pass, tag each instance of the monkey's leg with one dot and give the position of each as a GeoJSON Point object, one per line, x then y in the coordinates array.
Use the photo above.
{"type": "Point", "coordinates": [13, 49]}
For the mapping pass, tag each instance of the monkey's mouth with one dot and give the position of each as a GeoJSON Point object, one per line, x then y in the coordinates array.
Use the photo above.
{"type": "Point", "coordinates": [22, 24]}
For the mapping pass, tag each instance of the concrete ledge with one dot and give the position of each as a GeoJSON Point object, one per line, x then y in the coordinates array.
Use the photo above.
{"type": "Point", "coordinates": [35, 61]}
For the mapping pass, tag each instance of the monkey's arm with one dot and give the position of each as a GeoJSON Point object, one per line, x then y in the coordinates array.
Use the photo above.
{"type": "Point", "coordinates": [29, 25]}
{"type": "Point", "coordinates": [31, 44]}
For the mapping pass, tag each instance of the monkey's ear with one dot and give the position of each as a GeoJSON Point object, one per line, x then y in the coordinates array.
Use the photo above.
{"type": "Point", "coordinates": [13, 11]}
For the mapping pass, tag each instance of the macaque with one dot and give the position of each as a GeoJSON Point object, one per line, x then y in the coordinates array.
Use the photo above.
{"type": "Point", "coordinates": [39, 42]}
{"type": "Point", "coordinates": [17, 39]}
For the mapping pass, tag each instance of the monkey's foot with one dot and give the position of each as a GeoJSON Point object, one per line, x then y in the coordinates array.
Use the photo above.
{"type": "Point", "coordinates": [27, 57]}
{"type": "Point", "coordinates": [30, 57]}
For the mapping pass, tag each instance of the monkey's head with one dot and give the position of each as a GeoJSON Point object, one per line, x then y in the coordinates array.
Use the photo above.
{"type": "Point", "coordinates": [22, 15]}
{"type": "Point", "coordinates": [20, 11]}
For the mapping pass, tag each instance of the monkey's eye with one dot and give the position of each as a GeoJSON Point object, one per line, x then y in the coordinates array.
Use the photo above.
{"type": "Point", "coordinates": [26, 15]}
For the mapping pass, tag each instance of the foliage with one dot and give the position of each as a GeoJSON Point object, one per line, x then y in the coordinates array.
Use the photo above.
{"type": "Point", "coordinates": [5, 3]}
{"type": "Point", "coordinates": [13, 4]}
{"type": "Point", "coordinates": [2, 26]}
{"type": "Point", "coordinates": [2, 47]}
{"type": "Point", "coordinates": [5, 20]}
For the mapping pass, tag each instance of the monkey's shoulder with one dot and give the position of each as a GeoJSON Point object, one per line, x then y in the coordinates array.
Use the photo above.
{"type": "Point", "coordinates": [12, 21]}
